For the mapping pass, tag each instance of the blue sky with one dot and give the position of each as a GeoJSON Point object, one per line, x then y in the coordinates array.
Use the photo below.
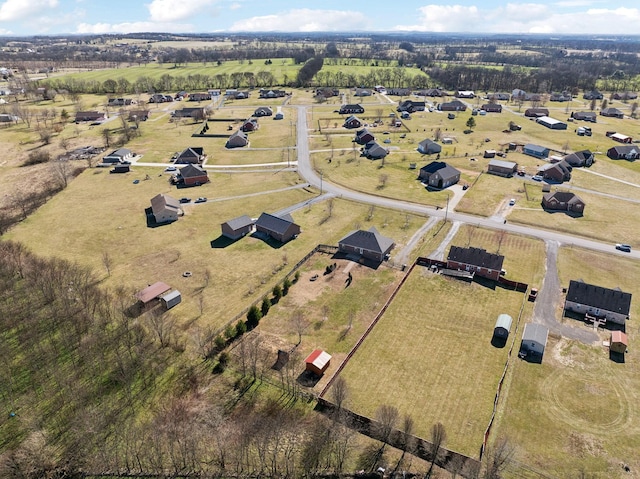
{"type": "Point", "coordinates": [35, 17]}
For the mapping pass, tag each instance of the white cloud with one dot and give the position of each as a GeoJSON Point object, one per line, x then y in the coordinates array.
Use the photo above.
{"type": "Point", "coordinates": [132, 27]}
{"type": "Point", "coordinates": [235, 6]}
{"type": "Point", "coordinates": [11, 10]}
{"type": "Point", "coordinates": [303, 20]}
{"type": "Point", "coordinates": [523, 18]}
{"type": "Point", "coordinates": [175, 10]}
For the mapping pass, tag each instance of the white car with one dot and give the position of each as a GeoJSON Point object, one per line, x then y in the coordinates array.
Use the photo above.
{"type": "Point", "coordinates": [512, 201]}
{"type": "Point", "coordinates": [537, 178]}
{"type": "Point", "coordinates": [170, 168]}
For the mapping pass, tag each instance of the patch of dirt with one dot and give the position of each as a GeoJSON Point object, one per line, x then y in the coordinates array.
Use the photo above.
{"type": "Point", "coordinates": [561, 353]}
{"type": "Point", "coordinates": [583, 445]}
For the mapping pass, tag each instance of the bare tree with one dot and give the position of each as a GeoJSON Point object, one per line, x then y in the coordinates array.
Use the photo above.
{"type": "Point", "coordinates": [498, 458]}
{"type": "Point", "coordinates": [61, 170]}
{"type": "Point", "coordinates": [383, 180]}
{"type": "Point", "coordinates": [339, 392]}
{"type": "Point", "coordinates": [299, 324]}
{"type": "Point", "coordinates": [438, 436]}
{"type": "Point", "coordinates": [107, 262]}
{"type": "Point", "coordinates": [163, 325]}
{"type": "Point", "coordinates": [386, 417]}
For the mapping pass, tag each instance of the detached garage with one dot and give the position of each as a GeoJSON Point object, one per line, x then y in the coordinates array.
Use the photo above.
{"type": "Point", "coordinates": [318, 362]}
{"type": "Point", "coordinates": [534, 339]}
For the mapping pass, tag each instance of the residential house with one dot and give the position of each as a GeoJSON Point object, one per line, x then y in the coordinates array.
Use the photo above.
{"type": "Point", "coordinates": [160, 98]}
{"type": "Point", "coordinates": [433, 92]}
{"type": "Point", "coordinates": [412, 106]}
{"type": "Point", "coordinates": [317, 362]}
{"type": "Point", "coordinates": [138, 115]}
{"type": "Point", "coordinates": [611, 304]}
{"type": "Point", "coordinates": [193, 155]}
{"type": "Point", "coordinates": [271, 93]}
{"type": "Point", "coordinates": [429, 147]}
{"type": "Point", "coordinates": [250, 125]}
{"type": "Point", "coordinates": [618, 342]}
{"type": "Point", "coordinates": [351, 109]}
{"type": "Point", "coordinates": [281, 229]}
{"type": "Point", "coordinates": [498, 96]}
{"type": "Point", "coordinates": [263, 111]}
{"type": "Point", "coordinates": [593, 95]}
{"type": "Point", "coordinates": [327, 92]}
{"type": "Point", "coordinates": [368, 244]}
{"type": "Point", "coordinates": [580, 158]}
{"type": "Point", "coordinates": [476, 260]}
{"type": "Point", "coordinates": [238, 227]}
{"type": "Point", "coordinates": [197, 113]}
{"type": "Point", "coordinates": [238, 139]}
{"type": "Point", "coordinates": [536, 112]}
{"type": "Point", "coordinates": [93, 116]}
{"type": "Point", "coordinates": [399, 91]}
{"type": "Point", "coordinates": [439, 175]}
{"type": "Point", "coordinates": [502, 168]}
{"type": "Point", "coordinates": [492, 107]}
{"type": "Point", "coordinates": [119, 101]}
{"type": "Point", "coordinates": [363, 92]}
{"type": "Point", "coordinates": [503, 326]}
{"type": "Point", "coordinates": [564, 96]}
{"type": "Point", "coordinates": [165, 209]}
{"type": "Point", "coordinates": [119, 168]}
{"type": "Point", "coordinates": [612, 113]}
{"type": "Point", "coordinates": [585, 116]}
{"type": "Point", "coordinates": [352, 122]}
{"type": "Point", "coordinates": [465, 94]}
{"type": "Point", "coordinates": [626, 152]}
{"type": "Point", "coordinates": [363, 137]}
{"type": "Point", "coordinates": [192, 175]}
{"type": "Point", "coordinates": [374, 151]}
{"type": "Point", "coordinates": [534, 339]}
{"type": "Point", "coordinates": [236, 94]}
{"type": "Point", "coordinates": [535, 150]}
{"type": "Point", "coordinates": [118, 156]}
{"type": "Point", "coordinates": [455, 105]}
{"type": "Point", "coordinates": [551, 123]}
{"type": "Point", "coordinates": [555, 172]}
{"type": "Point", "coordinates": [563, 201]}
{"type": "Point", "coordinates": [619, 137]}
{"type": "Point", "coordinates": [623, 96]}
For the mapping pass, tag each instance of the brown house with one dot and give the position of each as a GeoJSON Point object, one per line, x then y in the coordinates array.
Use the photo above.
{"type": "Point", "coordinates": [192, 175]}
{"type": "Point", "coordinates": [352, 122]}
{"type": "Point", "coordinates": [238, 139]}
{"type": "Point", "coordinates": [279, 228]}
{"type": "Point", "coordinates": [563, 201]}
{"type": "Point", "coordinates": [536, 112]}
{"type": "Point", "coordinates": [502, 168]}
{"type": "Point", "coordinates": [477, 260]}
{"type": "Point", "coordinates": [455, 105]}
{"type": "Point", "coordinates": [368, 244]}
{"type": "Point", "coordinates": [82, 116]}
{"type": "Point", "coordinates": [193, 155]}
{"type": "Point", "coordinates": [363, 137]}
{"type": "Point", "coordinates": [237, 228]}
{"type": "Point", "coordinates": [139, 115]}
{"type": "Point", "coordinates": [250, 125]}
{"type": "Point", "coordinates": [555, 172]}
{"type": "Point", "coordinates": [492, 107]}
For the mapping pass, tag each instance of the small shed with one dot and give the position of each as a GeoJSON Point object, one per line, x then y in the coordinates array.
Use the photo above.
{"type": "Point", "coordinates": [152, 292]}
{"type": "Point", "coordinates": [619, 342]}
{"type": "Point", "coordinates": [171, 299]}
{"type": "Point", "coordinates": [238, 227]}
{"type": "Point", "coordinates": [534, 338]}
{"type": "Point", "coordinates": [317, 362]}
{"type": "Point", "coordinates": [503, 326]}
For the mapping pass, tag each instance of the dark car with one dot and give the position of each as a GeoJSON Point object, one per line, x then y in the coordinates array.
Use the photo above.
{"type": "Point", "coordinates": [623, 247]}
{"type": "Point", "coordinates": [185, 200]}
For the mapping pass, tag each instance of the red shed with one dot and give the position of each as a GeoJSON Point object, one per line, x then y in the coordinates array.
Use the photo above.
{"type": "Point", "coordinates": [619, 342]}
{"type": "Point", "coordinates": [318, 362]}
{"type": "Point", "coordinates": [152, 292]}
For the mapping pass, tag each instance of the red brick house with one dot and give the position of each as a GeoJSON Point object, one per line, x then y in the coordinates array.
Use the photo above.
{"type": "Point", "coordinates": [563, 201]}
{"type": "Point", "coordinates": [477, 260]}
{"type": "Point", "coordinates": [192, 175]}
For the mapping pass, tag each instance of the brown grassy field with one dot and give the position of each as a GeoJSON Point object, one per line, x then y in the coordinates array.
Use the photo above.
{"type": "Point", "coordinates": [414, 351]}
{"type": "Point", "coordinates": [586, 405]}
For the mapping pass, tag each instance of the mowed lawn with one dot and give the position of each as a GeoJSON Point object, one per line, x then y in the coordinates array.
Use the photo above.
{"type": "Point", "coordinates": [584, 405]}
{"type": "Point", "coordinates": [430, 356]}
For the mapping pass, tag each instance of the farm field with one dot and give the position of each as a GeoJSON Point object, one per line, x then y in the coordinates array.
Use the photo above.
{"type": "Point", "coordinates": [415, 349]}
{"type": "Point", "coordinates": [586, 404]}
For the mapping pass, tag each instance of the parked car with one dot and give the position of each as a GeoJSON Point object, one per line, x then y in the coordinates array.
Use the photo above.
{"type": "Point", "coordinates": [537, 178]}
{"type": "Point", "coordinates": [533, 294]}
{"type": "Point", "coordinates": [512, 201]}
{"type": "Point", "coordinates": [170, 168]}
{"type": "Point", "coordinates": [623, 247]}
{"type": "Point", "coordinates": [201, 199]}
{"type": "Point", "coordinates": [185, 200]}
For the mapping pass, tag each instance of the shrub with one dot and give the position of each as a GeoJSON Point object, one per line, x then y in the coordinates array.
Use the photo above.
{"type": "Point", "coordinates": [220, 342]}
{"type": "Point", "coordinates": [266, 305]}
{"type": "Point", "coordinates": [37, 157]}
{"type": "Point", "coordinates": [241, 328]}
{"type": "Point", "coordinates": [230, 332]}
{"type": "Point", "coordinates": [277, 293]}
{"type": "Point", "coordinates": [253, 316]}
{"type": "Point", "coordinates": [285, 286]}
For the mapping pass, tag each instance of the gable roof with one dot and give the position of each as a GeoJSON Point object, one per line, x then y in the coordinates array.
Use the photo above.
{"type": "Point", "coordinates": [274, 223]}
{"type": "Point", "coordinates": [374, 150]}
{"type": "Point", "coordinates": [370, 240]}
{"type": "Point", "coordinates": [443, 169]}
{"type": "Point", "coordinates": [191, 171]}
{"type": "Point", "coordinates": [162, 202]}
{"type": "Point", "coordinates": [619, 337]}
{"type": "Point", "coordinates": [476, 256]}
{"type": "Point", "coordinates": [563, 197]}
{"type": "Point", "coordinates": [536, 148]}
{"type": "Point", "coordinates": [152, 291]}
{"type": "Point", "coordinates": [191, 152]}
{"type": "Point", "coordinates": [535, 332]}
{"type": "Point", "coordinates": [429, 145]}
{"type": "Point", "coordinates": [318, 358]}
{"type": "Point", "coordinates": [613, 300]}
{"type": "Point", "coordinates": [504, 321]}
{"type": "Point", "coordinates": [578, 157]}
{"type": "Point", "coordinates": [502, 164]}
{"type": "Point", "coordinates": [239, 222]}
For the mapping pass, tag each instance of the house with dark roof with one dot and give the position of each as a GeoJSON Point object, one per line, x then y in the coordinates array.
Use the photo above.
{"type": "Point", "coordinates": [368, 244]}
{"type": "Point", "coordinates": [593, 95]}
{"type": "Point", "coordinates": [93, 116]}
{"type": "Point", "coordinates": [352, 122]}
{"type": "Point", "coordinates": [119, 101]}
{"type": "Point", "coordinates": [564, 96]}
{"type": "Point", "coordinates": [194, 113]}
{"type": "Point", "coordinates": [205, 96]}
{"type": "Point", "coordinates": [492, 107]}
{"type": "Point", "coordinates": [263, 111]}
{"type": "Point", "coordinates": [502, 168]}
{"type": "Point", "coordinates": [351, 109]}
{"type": "Point", "coordinates": [250, 125]}
{"type": "Point", "coordinates": [580, 158]}
{"type": "Point", "coordinates": [476, 260]}
{"type": "Point", "coordinates": [536, 112]}
{"type": "Point", "coordinates": [279, 228]}
{"type": "Point", "coordinates": [363, 137]}
{"type": "Point", "coordinates": [237, 227]}
{"type": "Point", "coordinates": [585, 116]}
{"type": "Point", "coordinates": [238, 139]}
{"type": "Point", "coordinates": [399, 91]}
{"type": "Point", "coordinates": [625, 95]}
{"type": "Point", "coordinates": [535, 150]}
{"type": "Point", "coordinates": [534, 339]}
{"type": "Point", "coordinates": [374, 151]}
{"type": "Point", "coordinates": [556, 172]}
{"type": "Point", "coordinates": [498, 96]}
{"type": "Point", "coordinates": [327, 92]}
{"type": "Point", "coordinates": [611, 304]}
{"type": "Point", "coordinates": [192, 175]}
{"type": "Point", "coordinates": [612, 113]}
{"type": "Point", "coordinates": [363, 92]}
{"type": "Point", "coordinates": [551, 123]}
{"type": "Point", "coordinates": [193, 154]}
{"type": "Point", "coordinates": [411, 106]}
{"type": "Point", "coordinates": [165, 209]}
{"type": "Point", "coordinates": [439, 175]}
{"type": "Point", "coordinates": [271, 93]}
{"type": "Point", "coordinates": [455, 105]}
{"type": "Point", "coordinates": [138, 115]}
{"type": "Point", "coordinates": [236, 94]}
{"type": "Point", "coordinates": [433, 92]}
{"type": "Point", "coordinates": [429, 147]}
{"type": "Point", "coordinates": [118, 156]}
{"type": "Point", "coordinates": [563, 201]}
{"type": "Point", "coordinates": [624, 152]}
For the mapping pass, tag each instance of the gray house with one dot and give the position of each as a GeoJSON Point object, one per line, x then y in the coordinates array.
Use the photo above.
{"type": "Point", "coordinates": [535, 150]}
{"type": "Point", "coordinates": [374, 151]}
{"type": "Point", "coordinates": [611, 304]}
{"type": "Point", "coordinates": [281, 229]}
{"type": "Point", "coordinates": [238, 139]}
{"type": "Point", "coordinates": [118, 156]}
{"type": "Point", "coordinates": [502, 168]}
{"type": "Point", "coordinates": [439, 174]}
{"type": "Point", "coordinates": [237, 228]}
{"type": "Point", "coordinates": [534, 338]}
{"type": "Point", "coordinates": [368, 244]}
{"type": "Point", "coordinates": [429, 147]}
{"type": "Point", "coordinates": [580, 158]}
